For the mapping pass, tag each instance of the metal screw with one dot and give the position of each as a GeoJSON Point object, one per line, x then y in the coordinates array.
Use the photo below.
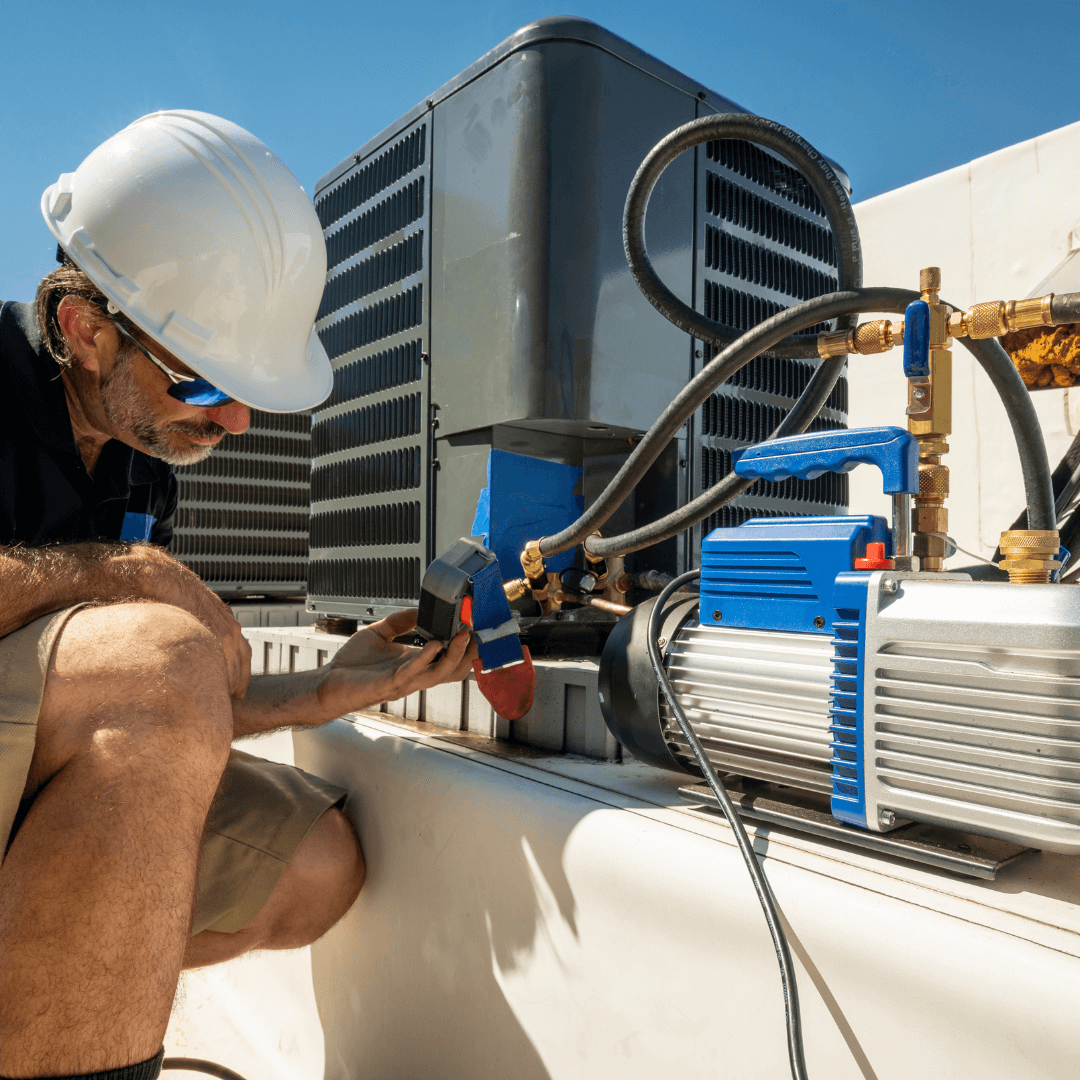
{"type": "Point", "coordinates": [697, 353]}
{"type": "Point", "coordinates": [819, 621]}
{"type": "Point", "coordinates": [918, 393]}
{"type": "Point", "coordinates": [887, 818]}
{"type": "Point", "coordinates": [661, 642]}
{"type": "Point", "coordinates": [716, 616]}
{"type": "Point", "coordinates": [431, 103]}
{"type": "Point", "coordinates": [701, 94]}
{"type": "Point", "coordinates": [889, 585]}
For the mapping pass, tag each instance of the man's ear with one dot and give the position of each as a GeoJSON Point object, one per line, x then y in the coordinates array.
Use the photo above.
{"type": "Point", "coordinates": [84, 330]}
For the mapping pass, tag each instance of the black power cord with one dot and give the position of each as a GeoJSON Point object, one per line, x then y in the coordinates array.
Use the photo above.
{"type": "Point", "coordinates": [199, 1066]}
{"type": "Point", "coordinates": [792, 1015]}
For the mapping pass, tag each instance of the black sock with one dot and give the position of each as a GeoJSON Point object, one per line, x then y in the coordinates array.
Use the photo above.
{"type": "Point", "coordinates": [146, 1070]}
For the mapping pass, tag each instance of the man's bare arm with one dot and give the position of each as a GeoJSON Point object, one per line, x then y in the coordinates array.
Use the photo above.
{"type": "Point", "coordinates": [368, 670]}
{"type": "Point", "coordinates": [37, 580]}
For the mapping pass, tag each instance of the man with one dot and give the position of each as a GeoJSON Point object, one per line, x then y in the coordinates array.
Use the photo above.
{"type": "Point", "coordinates": [136, 841]}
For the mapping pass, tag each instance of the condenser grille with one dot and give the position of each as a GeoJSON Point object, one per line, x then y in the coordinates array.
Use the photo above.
{"type": "Point", "coordinates": [380, 320]}
{"type": "Point", "coordinates": [362, 526]}
{"type": "Point", "coordinates": [736, 257]}
{"type": "Point", "coordinates": [374, 273]}
{"type": "Point", "coordinates": [219, 492]}
{"type": "Point", "coordinates": [785, 378]}
{"type": "Point", "coordinates": [348, 579]}
{"type": "Point", "coordinates": [372, 437]}
{"type": "Point", "coordinates": [384, 420]}
{"type": "Point", "coordinates": [750, 211]}
{"type": "Point", "coordinates": [764, 245]}
{"type": "Point", "coordinates": [741, 420]}
{"type": "Point", "coordinates": [398, 366]}
{"type": "Point", "coordinates": [758, 165]}
{"type": "Point", "coordinates": [390, 216]}
{"type": "Point", "coordinates": [392, 470]}
{"type": "Point", "coordinates": [376, 176]}
{"type": "Point", "coordinates": [242, 518]}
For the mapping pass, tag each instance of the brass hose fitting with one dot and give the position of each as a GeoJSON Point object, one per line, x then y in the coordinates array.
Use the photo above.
{"type": "Point", "coordinates": [532, 562]}
{"type": "Point", "coordinates": [1030, 555]}
{"type": "Point", "coordinates": [515, 589]}
{"type": "Point", "coordinates": [995, 318]}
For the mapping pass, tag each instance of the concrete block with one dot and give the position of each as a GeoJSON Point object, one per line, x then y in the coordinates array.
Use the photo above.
{"type": "Point", "coordinates": [479, 715]}
{"type": "Point", "coordinates": [443, 706]}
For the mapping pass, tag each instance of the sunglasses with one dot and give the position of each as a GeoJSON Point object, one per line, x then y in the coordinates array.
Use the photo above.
{"type": "Point", "coordinates": [189, 389]}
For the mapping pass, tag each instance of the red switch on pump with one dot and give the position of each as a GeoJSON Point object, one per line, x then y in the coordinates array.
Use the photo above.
{"type": "Point", "coordinates": [875, 559]}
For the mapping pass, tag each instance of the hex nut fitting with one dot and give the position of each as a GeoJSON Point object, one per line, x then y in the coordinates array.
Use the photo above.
{"type": "Point", "coordinates": [1030, 555]}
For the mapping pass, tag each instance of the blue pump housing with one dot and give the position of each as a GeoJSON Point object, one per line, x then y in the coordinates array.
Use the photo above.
{"type": "Point", "coordinates": [796, 574]}
{"type": "Point", "coordinates": [779, 573]}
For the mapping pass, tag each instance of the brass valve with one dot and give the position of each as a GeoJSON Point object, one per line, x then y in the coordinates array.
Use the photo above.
{"type": "Point", "coordinates": [1030, 555]}
{"type": "Point", "coordinates": [930, 421]}
{"type": "Point", "coordinates": [995, 318]}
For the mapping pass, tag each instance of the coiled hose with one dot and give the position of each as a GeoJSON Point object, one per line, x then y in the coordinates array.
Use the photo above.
{"type": "Point", "coordinates": [774, 335]}
{"type": "Point", "coordinates": [834, 200]}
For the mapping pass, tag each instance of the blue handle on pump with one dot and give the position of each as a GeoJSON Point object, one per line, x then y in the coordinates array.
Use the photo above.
{"type": "Point", "coordinates": [893, 450]}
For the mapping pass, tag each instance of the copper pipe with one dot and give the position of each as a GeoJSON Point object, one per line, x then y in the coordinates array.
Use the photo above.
{"type": "Point", "coordinates": [596, 602]}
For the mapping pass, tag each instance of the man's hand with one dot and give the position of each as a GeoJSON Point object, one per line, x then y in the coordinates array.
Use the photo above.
{"type": "Point", "coordinates": [370, 668]}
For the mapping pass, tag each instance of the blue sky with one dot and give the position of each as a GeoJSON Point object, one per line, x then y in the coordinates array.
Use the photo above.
{"type": "Point", "coordinates": [893, 91]}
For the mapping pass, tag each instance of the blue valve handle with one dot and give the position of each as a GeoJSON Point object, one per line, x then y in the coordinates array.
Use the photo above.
{"type": "Point", "coordinates": [917, 340]}
{"type": "Point", "coordinates": [893, 450]}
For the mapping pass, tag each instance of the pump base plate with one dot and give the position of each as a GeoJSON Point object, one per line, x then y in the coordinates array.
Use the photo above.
{"type": "Point", "coordinates": [947, 849]}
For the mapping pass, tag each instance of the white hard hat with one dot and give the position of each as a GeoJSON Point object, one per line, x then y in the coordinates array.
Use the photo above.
{"type": "Point", "coordinates": [207, 242]}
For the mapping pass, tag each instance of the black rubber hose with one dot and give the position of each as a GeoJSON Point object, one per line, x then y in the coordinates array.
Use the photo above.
{"type": "Point", "coordinates": [1025, 424]}
{"type": "Point", "coordinates": [834, 200]}
{"type": "Point", "coordinates": [746, 848]}
{"type": "Point", "coordinates": [1034, 464]}
{"type": "Point", "coordinates": [1065, 308]}
{"type": "Point", "coordinates": [755, 129]}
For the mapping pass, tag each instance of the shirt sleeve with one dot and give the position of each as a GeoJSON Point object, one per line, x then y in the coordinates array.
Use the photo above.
{"type": "Point", "coordinates": [162, 532]}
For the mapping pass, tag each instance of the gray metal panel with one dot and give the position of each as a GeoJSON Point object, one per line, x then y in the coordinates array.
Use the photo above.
{"type": "Point", "coordinates": [971, 705]}
{"type": "Point", "coordinates": [535, 318]}
{"type": "Point", "coordinates": [242, 517]}
{"type": "Point", "coordinates": [371, 442]}
{"type": "Point", "coordinates": [557, 28]}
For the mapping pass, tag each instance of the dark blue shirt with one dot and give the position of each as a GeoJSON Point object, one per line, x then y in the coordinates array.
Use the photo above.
{"type": "Point", "coordinates": [46, 494]}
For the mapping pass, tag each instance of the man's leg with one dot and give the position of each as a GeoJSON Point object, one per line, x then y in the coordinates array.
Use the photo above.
{"type": "Point", "coordinates": [318, 886]}
{"type": "Point", "coordinates": [97, 888]}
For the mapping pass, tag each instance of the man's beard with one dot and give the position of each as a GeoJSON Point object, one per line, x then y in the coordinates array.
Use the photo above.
{"type": "Point", "coordinates": [127, 408]}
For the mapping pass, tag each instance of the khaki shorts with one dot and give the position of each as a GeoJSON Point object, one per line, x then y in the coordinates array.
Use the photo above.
{"type": "Point", "coordinates": [259, 817]}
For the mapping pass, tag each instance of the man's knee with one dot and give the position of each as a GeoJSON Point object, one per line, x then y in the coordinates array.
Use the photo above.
{"type": "Point", "coordinates": [132, 675]}
{"type": "Point", "coordinates": [320, 884]}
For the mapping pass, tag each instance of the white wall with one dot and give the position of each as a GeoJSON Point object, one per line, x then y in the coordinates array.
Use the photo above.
{"type": "Point", "coordinates": [996, 227]}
